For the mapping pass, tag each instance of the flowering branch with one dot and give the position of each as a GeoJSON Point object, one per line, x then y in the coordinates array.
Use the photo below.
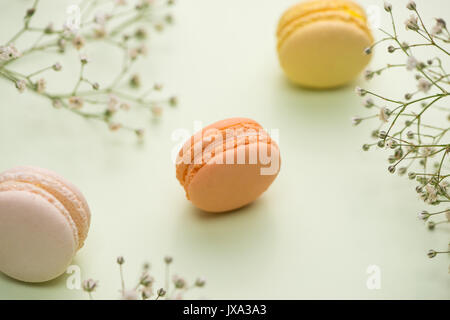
{"type": "Point", "coordinates": [112, 22]}
{"type": "Point", "coordinates": [413, 127]}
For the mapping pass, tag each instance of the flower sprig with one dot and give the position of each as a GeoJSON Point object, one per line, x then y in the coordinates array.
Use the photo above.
{"type": "Point", "coordinates": [415, 128]}
{"type": "Point", "coordinates": [145, 286]}
{"type": "Point", "coordinates": [117, 23]}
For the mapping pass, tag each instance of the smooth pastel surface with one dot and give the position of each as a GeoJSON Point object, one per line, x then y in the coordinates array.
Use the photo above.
{"type": "Point", "coordinates": [321, 43]}
{"type": "Point", "coordinates": [228, 172]}
{"type": "Point", "coordinates": [44, 220]}
{"type": "Point", "coordinates": [333, 211]}
{"type": "Point", "coordinates": [36, 240]}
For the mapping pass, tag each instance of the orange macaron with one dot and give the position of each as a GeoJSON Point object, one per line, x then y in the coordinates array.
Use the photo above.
{"type": "Point", "coordinates": [227, 164]}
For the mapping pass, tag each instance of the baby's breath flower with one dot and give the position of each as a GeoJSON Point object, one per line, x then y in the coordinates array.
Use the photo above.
{"type": "Point", "coordinates": [383, 115]}
{"type": "Point", "coordinates": [356, 121]}
{"type": "Point", "coordinates": [157, 111]}
{"type": "Point", "coordinates": [146, 280]}
{"type": "Point", "coordinates": [161, 292]}
{"type": "Point", "coordinates": [368, 102]}
{"type": "Point", "coordinates": [84, 59]}
{"type": "Point", "coordinates": [200, 282]}
{"type": "Point", "coordinates": [431, 225]}
{"type": "Point", "coordinates": [9, 52]}
{"type": "Point", "coordinates": [179, 282]}
{"type": "Point", "coordinates": [431, 253]}
{"type": "Point", "coordinates": [411, 5]}
{"type": "Point", "coordinates": [423, 85]}
{"type": "Point", "coordinates": [140, 33]}
{"type": "Point", "coordinates": [368, 74]}
{"type": "Point", "coordinates": [411, 23]}
{"type": "Point", "coordinates": [49, 28]}
{"type": "Point", "coordinates": [95, 86]}
{"type": "Point", "coordinates": [168, 259]}
{"type": "Point", "coordinates": [113, 101]}
{"type": "Point", "coordinates": [159, 27]}
{"type": "Point", "coordinates": [99, 32]}
{"type": "Point", "coordinates": [61, 43]}
{"type": "Point", "coordinates": [135, 81]}
{"type": "Point", "coordinates": [168, 18]}
{"type": "Point", "coordinates": [147, 293]}
{"type": "Point", "coordinates": [89, 285]}
{"type": "Point", "coordinates": [387, 6]}
{"type": "Point", "coordinates": [113, 126]}
{"type": "Point", "coordinates": [424, 215]}
{"type": "Point", "coordinates": [57, 66]}
{"type": "Point", "coordinates": [173, 101]}
{"type": "Point", "coordinates": [391, 49]}
{"type": "Point", "coordinates": [368, 50]}
{"type": "Point", "coordinates": [78, 42]}
{"type": "Point", "coordinates": [21, 85]}
{"type": "Point", "coordinates": [57, 104]}
{"type": "Point", "coordinates": [76, 102]}
{"type": "Point", "coordinates": [139, 133]}
{"type": "Point", "coordinates": [360, 91]}
{"type": "Point", "coordinates": [120, 260]}
{"type": "Point", "coordinates": [411, 63]}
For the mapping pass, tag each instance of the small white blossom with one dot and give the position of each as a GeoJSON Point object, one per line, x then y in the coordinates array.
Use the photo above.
{"type": "Point", "coordinates": [360, 91]}
{"type": "Point", "coordinates": [383, 114]}
{"type": "Point", "coordinates": [21, 85]}
{"type": "Point", "coordinates": [387, 6]}
{"type": "Point", "coordinates": [76, 102]}
{"type": "Point", "coordinates": [411, 63]}
{"type": "Point", "coordinates": [423, 85]}
{"type": "Point", "coordinates": [9, 52]}
{"type": "Point", "coordinates": [411, 23]}
{"type": "Point", "coordinates": [356, 121]}
{"type": "Point", "coordinates": [113, 101]}
{"type": "Point", "coordinates": [368, 102]}
{"type": "Point", "coordinates": [411, 5]}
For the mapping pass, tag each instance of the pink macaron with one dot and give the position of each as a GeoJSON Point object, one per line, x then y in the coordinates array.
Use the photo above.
{"type": "Point", "coordinates": [228, 164]}
{"type": "Point", "coordinates": [44, 221]}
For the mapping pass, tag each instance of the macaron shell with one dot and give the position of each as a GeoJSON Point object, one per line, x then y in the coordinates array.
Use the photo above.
{"type": "Point", "coordinates": [305, 8]}
{"type": "Point", "coordinates": [220, 187]}
{"type": "Point", "coordinates": [37, 242]}
{"type": "Point", "coordinates": [202, 139]}
{"type": "Point", "coordinates": [60, 188]}
{"type": "Point", "coordinates": [324, 54]}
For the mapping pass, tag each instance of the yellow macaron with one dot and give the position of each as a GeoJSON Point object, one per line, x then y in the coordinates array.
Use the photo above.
{"type": "Point", "coordinates": [321, 42]}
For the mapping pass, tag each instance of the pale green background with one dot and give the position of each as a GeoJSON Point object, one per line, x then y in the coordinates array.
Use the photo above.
{"type": "Point", "coordinates": [333, 211]}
